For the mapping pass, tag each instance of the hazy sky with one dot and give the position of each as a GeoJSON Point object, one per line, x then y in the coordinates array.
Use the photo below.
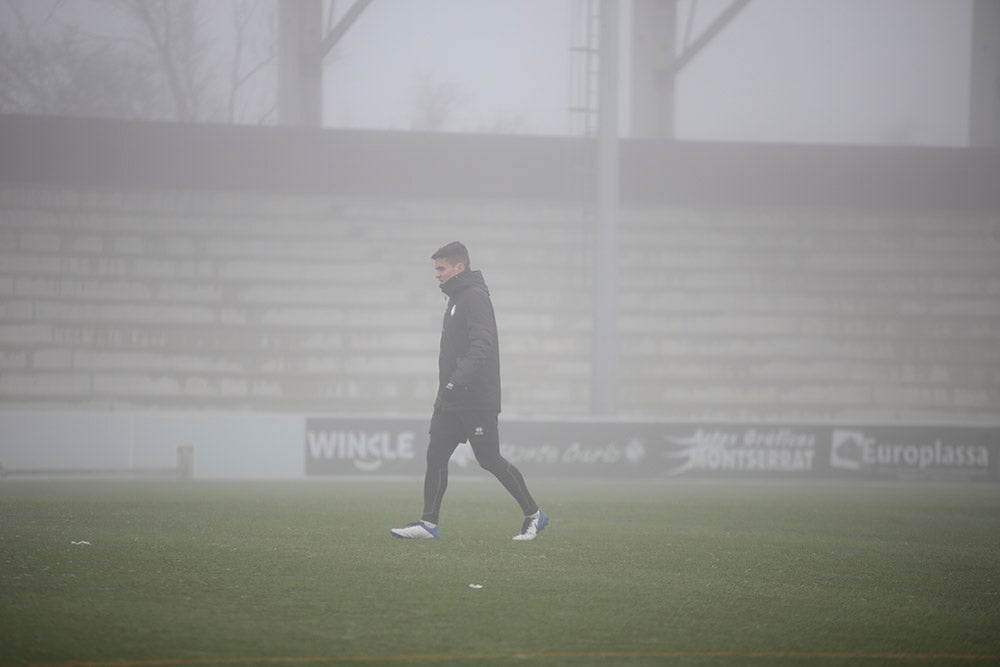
{"type": "Point", "coordinates": [818, 71]}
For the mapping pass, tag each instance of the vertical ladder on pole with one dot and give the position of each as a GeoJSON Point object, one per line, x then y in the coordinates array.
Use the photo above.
{"type": "Point", "coordinates": [584, 68]}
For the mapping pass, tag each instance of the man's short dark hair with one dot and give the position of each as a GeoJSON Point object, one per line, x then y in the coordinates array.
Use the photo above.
{"type": "Point", "coordinates": [454, 252]}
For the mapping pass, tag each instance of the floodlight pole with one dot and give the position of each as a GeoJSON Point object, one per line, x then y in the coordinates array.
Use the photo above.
{"type": "Point", "coordinates": [604, 341]}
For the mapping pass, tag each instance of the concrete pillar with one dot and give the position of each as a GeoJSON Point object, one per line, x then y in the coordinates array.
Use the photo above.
{"type": "Point", "coordinates": [300, 63]}
{"type": "Point", "coordinates": [984, 79]}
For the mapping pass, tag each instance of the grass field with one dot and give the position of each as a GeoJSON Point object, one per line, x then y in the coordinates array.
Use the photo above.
{"type": "Point", "coordinates": [642, 574]}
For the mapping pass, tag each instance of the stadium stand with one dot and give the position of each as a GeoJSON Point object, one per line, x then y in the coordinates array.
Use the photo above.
{"type": "Point", "coordinates": [157, 266]}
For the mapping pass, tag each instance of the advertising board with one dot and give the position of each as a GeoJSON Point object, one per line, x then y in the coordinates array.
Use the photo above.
{"type": "Point", "coordinates": [650, 450]}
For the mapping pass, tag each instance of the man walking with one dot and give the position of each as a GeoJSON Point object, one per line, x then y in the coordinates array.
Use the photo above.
{"type": "Point", "coordinates": [468, 399]}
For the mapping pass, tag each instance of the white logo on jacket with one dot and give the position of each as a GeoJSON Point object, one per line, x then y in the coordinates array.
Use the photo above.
{"type": "Point", "coordinates": [452, 314]}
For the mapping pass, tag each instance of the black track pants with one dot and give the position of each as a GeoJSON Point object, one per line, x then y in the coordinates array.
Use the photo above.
{"type": "Point", "coordinates": [448, 431]}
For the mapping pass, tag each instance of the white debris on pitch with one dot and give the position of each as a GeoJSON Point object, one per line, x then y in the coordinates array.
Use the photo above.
{"type": "Point", "coordinates": [80, 542]}
{"type": "Point", "coordinates": [475, 585]}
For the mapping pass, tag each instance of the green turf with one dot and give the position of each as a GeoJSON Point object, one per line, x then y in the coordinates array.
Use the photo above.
{"type": "Point", "coordinates": [640, 574]}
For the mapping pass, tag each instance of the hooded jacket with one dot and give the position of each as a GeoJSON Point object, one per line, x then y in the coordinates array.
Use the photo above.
{"type": "Point", "coordinates": [469, 363]}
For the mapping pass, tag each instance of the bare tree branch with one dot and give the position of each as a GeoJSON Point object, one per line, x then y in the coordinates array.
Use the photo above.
{"type": "Point", "coordinates": [57, 59]}
{"type": "Point", "coordinates": [162, 44]}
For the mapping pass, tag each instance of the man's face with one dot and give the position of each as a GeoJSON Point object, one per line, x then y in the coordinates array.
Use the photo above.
{"type": "Point", "coordinates": [445, 270]}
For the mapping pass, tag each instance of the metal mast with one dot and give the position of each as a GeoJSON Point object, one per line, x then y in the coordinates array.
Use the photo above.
{"type": "Point", "coordinates": [604, 341]}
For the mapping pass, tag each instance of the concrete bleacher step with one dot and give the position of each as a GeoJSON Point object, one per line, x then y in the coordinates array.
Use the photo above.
{"type": "Point", "coordinates": [212, 300]}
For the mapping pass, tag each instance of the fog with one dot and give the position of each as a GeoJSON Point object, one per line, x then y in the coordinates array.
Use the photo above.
{"type": "Point", "coordinates": [799, 280]}
{"type": "Point", "coordinates": [890, 72]}
{"type": "Point", "coordinates": [893, 72]}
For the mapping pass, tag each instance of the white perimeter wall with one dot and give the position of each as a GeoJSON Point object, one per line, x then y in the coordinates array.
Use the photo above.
{"type": "Point", "coordinates": [226, 446]}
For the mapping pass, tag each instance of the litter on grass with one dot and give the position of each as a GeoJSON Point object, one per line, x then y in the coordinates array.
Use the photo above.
{"type": "Point", "coordinates": [475, 585]}
{"type": "Point", "coordinates": [80, 542]}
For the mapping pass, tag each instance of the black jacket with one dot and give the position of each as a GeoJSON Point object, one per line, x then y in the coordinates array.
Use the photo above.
{"type": "Point", "coordinates": [469, 364]}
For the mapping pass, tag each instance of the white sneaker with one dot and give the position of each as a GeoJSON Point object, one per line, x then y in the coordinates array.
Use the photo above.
{"type": "Point", "coordinates": [418, 530]}
{"type": "Point", "coordinates": [532, 526]}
